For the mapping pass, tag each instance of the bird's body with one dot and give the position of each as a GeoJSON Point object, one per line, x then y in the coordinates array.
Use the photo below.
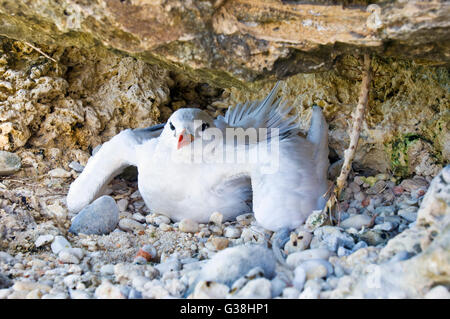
{"type": "Point", "coordinates": [181, 175]}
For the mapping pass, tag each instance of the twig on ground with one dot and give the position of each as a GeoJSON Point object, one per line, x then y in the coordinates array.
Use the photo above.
{"type": "Point", "coordinates": [358, 118]}
{"type": "Point", "coordinates": [41, 52]}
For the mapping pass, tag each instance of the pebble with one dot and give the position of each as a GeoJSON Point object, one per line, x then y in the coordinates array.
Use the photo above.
{"type": "Point", "coordinates": [356, 221]}
{"type": "Point", "coordinates": [5, 282]}
{"type": "Point", "coordinates": [209, 290]}
{"type": "Point", "coordinates": [220, 243]}
{"type": "Point", "coordinates": [59, 173]}
{"type": "Point", "coordinates": [386, 226]}
{"type": "Point", "coordinates": [122, 204]}
{"type": "Point", "coordinates": [148, 252]}
{"type": "Point", "coordinates": [100, 217]}
{"type": "Point", "coordinates": [128, 224]}
{"type": "Point", "coordinates": [259, 288]}
{"type": "Point", "coordinates": [230, 264]}
{"type": "Point", "coordinates": [59, 243]}
{"type": "Point", "coordinates": [295, 259]}
{"type": "Point", "coordinates": [43, 240]}
{"type": "Point", "coordinates": [216, 218]}
{"type": "Point", "coordinates": [107, 269]}
{"type": "Point", "coordinates": [188, 226]}
{"type": "Point", "coordinates": [438, 292]}
{"type": "Point", "coordinates": [164, 227]}
{"type": "Point", "coordinates": [6, 258]}
{"type": "Point", "coordinates": [311, 290]}
{"type": "Point", "coordinates": [9, 163]}
{"type": "Point", "coordinates": [77, 167]}
{"type": "Point", "coordinates": [79, 294]}
{"type": "Point", "coordinates": [316, 268]}
{"type": "Point", "coordinates": [409, 214]}
{"type": "Point", "coordinates": [299, 278]}
{"type": "Point", "coordinates": [232, 232]}
{"type": "Point", "coordinates": [171, 264]}
{"type": "Point", "coordinates": [332, 238]}
{"type": "Point", "coordinates": [278, 284]}
{"type": "Point", "coordinates": [298, 242]}
{"type": "Point", "coordinates": [70, 255]}
{"type": "Point", "coordinates": [160, 219]}
{"type": "Point", "coordinates": [290, 293]}
{"type": "Point", "coordinates": [108, 291]}
{"type": "Point", "coordinates": [245, 219]}
{"type": "Point", "coordinates": [138, 217]}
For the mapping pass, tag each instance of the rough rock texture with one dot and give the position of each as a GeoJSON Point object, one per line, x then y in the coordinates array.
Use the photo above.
{"type": "Point", "coordinates": [86, 98]}
{"type": "Point", "coordinates": [227, 41]}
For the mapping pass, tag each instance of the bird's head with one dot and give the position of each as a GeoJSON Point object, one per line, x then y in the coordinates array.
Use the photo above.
{"type": "Point", "coordinates": [186, 125]}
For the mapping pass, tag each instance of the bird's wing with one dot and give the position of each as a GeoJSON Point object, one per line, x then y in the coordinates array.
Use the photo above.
{"type": "Point", "coordinates": [112, 158]}
{"type": "Point", "coordinates": [269, 113]}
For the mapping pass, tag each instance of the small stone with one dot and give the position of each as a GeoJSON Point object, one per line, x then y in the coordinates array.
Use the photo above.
{"type": "Point", "coordinates": [172, 264]}
{"type": "Point", "coordinates": [295, 259]}
{"type": "Point", "coordinates": [59, 173]}
{"type": "Point", "coordinates": [148, 252]}
{"type": "Point", "coordinates": [317, 268]}
{"type": "Point", "coordinates": [209, 290]}
{"type": "Point", "coordinates": [386, 226]}
{"type": "Point", "coordinates": [5, 282]}
{"type": "Point", "coordinates": [415, 183]}
{"type": "Point", "coordinates": [122, 204]}
{"type": "Point", "coordinates": [356, 221]}
{"type": "Point", "coordinates": [188, 226]}
{"type": "Point", "coordinates": [409, 214]}
{"type": "Point", "coordinates": [79, 294]}
{"type": "Point", "coordinates": [216, 218]}
{"type": "Point", "coordinates": [70, 255]}
{"type": "Point", "coordinates": [332, 238]}
{"type": "Point", "coordinates": [341, 252]}
{"type": "Point", "coordinates": [43, 240]}
{"type": "Point", "coordinates": [259, 288]}
{"type": "Point", "coordinates": [77, 167]}
{"type": "Point", "coordinates": [220, 243]}
{"type": "Point", "coordinates": [108, 291]}
{"type": "Point", "coordinates": [360, 196]}
{"type": "Point", "coordinates": [9, 163]}
{"type": "Point", "coordinates": [298, 242]}
{"type": "Point", "coordinates": [245, 219]}
{"type": "Point", "coordinates": [398, 190]}
{"type": "Point", "coordinates": [299, 278]}
{"type": "Point", "coordinates": [107, 269]}
{"type": "Point", "coordinates": [290, 293]}
{"type": "Point", "coordinates": [100, 217]}
{"type": "Point", "coordinates": [377, 188]}
{"type": "Point", "coordinates": [315, 220]}
{"type": "Point", "coordinates": [232, 232]}
{"type": "Point", "coordinates": [59, 243]}
{"type": "Point", "coordinates": [160, 219]}
{"type": "Point", "coordinates": [128, 224]}
{"type": "Point", "coordinates": [438, 292]}
{"type": "Point", "coordinates": [164, 227]}
{"type": "Point", "coordinates": [138, 217]}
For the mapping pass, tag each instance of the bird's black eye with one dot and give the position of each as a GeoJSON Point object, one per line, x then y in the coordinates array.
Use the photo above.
{"type": "Point", "coordinates": [171, 126]}
{"type": "Point", "coordinates": [205, 126]}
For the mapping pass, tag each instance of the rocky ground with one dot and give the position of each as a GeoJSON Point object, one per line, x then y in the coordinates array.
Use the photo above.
{"type": "Point", "coordinates": [146, 255]}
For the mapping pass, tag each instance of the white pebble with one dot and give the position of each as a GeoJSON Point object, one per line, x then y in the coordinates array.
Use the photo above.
{"type": "Point", "coordinates": [43, 240]}
{"type": "Point", "coordinates": [59, 243]}
{"type": "Point", "coordinates": [297, 258]}
{"type": "Point", "coordinates": [216, 218]}
{"type": "Point", "coordinates": [232, 232]}
{"type": "Point", "coordinates": [188, 226]}
{"type": "Point", "coordinates": [256, 289]}
{"type": "Point", "coordinates": [128, 224]}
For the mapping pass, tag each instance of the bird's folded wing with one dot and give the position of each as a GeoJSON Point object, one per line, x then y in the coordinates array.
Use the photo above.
{"type": "Point", "coordinates": [113, 156]}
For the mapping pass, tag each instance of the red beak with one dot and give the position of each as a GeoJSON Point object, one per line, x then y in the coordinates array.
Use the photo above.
{"type": "Point", "coordinates": [184, 139]}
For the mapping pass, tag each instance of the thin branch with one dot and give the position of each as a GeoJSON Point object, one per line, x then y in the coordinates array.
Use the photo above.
{"type": "Point", "coordinates": [40, 51]}
{"type": "Point", "coordinates": [349, 153]}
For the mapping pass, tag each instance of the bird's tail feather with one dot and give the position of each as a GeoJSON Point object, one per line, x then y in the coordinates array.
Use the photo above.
{"type": "Point", "coordinates": [318, 135]}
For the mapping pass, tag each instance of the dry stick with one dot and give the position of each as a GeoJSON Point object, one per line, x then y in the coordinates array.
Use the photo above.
{"type": "Point", "coordinates": [358, 117]}
{"type": "Point", "coordinates": [40, 51]}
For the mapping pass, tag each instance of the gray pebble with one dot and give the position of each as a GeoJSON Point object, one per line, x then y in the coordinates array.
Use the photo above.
{"type": "Point", "coordinates": [9, 163]}
{"type": "Point", "coordinates": [100, 217]}
{"type": "Point", "coordinates": [77, 167]}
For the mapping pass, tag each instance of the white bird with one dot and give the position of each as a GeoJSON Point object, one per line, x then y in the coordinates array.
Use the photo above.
{"type": "Point", "coordinates": [189, 182]}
